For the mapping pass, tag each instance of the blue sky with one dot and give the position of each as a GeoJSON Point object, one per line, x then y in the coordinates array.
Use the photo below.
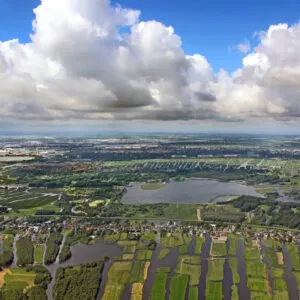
{"type": "Point", "coordinates": [205, 27]}
{"type": "Point", "coordinates": [76, 70]}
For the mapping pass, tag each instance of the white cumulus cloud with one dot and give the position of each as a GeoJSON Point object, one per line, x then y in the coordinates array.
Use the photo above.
{"type": "Point", "coordinates": [90, 60]}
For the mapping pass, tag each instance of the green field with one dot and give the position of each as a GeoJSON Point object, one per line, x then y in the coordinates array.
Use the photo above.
{"type": "Point", "coordinates": [273, 251]}
{"type": "Point", "coordinates": [117, 277]}
{"type": "Point", "coordinates": [187, 239]}
{"type": "Point", "coordinates": [234, 292]}
{"type": "Point", "coordinates": [190, 259]}
{"type": "Point", "coordinates": [179, 211]}
{"type": "Point", "coordinates": [123, 236]}
{"type": "Point", "coordinates": [279, 284]}
{"type": "Point", "coordinates": [172, 240]}
{"type": "Point", "coordinates": [257, 284]}
{"type": "Point", "coordinates": [111, 238]}
{"type": "Point", "coordinates": [256, 269]}
{"type": "Point", "coordinates": [199, 244]}
{"type": "Point", "coordinates": [178, 287]}
{"type": "Point", "coordinates": [279, 273]}
{"type": "Point", "coordinates": [297, 277]}
{"type": "Point", "coordinates": [129, 249]}
{"type": "Point", "coordinates": [215, 269]}
{"type": "Point", "coordinates": [213, 290]}
{"type": "Point", "coordinates": [124, 243]}
{"type": "Point", "coordinates": [183, 249]}
{"type": "Point", "coordinates": [158, 289]}
{"type": "Point", "coordinates": [148, 236]}
{"type": "Point", "coordinates": [137, 272]}
{"type": "Point", "coordinates": [152, 186]}
{"type": "Point", "coordinates": [189, 265]}
{"type": "Point", "coordinates": [193, 293]}
{"type": "Point", "coordinates": [218, 248]}
{"type": "Point", "coordinates": [233, 244]}
{"type": "Point", "coordinates": [280, 295]}
{"type": "Point", "coordinates": [260, 296]}
{"type": "Point", "coordinates": [163, 253]}
{"type": "Point", "coordinates": [293, 251]}
{"type": "Point", "coordinates": [125, 256]}
{"type": "Point", "coordinates": [251, 250]}
{"type": "Point", "coordinates": [144, 254]}
{"type": "Point", "coordinates": [15, 282]}
{"type": "Point", "coordinates": [39, 253]}
{"type": "Point", "coordinates": [163, 270]}
{"type": "Point", "coordinates": [95, 203]}
{"type": "Point", "coordinates": [233, 263]}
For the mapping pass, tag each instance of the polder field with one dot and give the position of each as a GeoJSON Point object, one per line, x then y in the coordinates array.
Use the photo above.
{"type": "Point", "coordinates": [180, 271]}
{"type": "Point", "coordinates": [160, 263]}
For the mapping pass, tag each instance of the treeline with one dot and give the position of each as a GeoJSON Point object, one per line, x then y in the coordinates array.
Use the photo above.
{"type": "Point", "coordinates": [66, 253]}
{"type": "Point", "coordinates": [52, 247]}
{"type": "Point", "coordinates": [217, 213]}
{"type": "Point", "coordinates": [43, 276]}
{"type": "Point", "coordinates": [45, 212]}
{"type": "Point", "coordinates": [25, 251]}
{"type": "Point", "coordinates": [37, 293]}
{"type": "Point", "coordinates": [7, 255]}
{"type": "Point", "coordinates": [244, 203]}
{"type": "Point", "coordinates": [41, 281]}
{"type": "Point", "coordinates": [269, 211]}
{"type": "Point", "coordinates": [33, 220]}
{"type": "Point", "coordinates": [79, 282]}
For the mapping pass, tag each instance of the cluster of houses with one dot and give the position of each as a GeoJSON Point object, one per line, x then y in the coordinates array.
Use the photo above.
{"type": "Point", "coordinates": [136, 229]}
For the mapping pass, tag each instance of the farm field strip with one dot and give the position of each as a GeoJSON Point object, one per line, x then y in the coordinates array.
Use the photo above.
{"type": "Point", "coordinates": [189, 265]}
{"type": "Point", "coordinates": [117, 277]}
{"type": "Point", "coordinates": [218, 248]}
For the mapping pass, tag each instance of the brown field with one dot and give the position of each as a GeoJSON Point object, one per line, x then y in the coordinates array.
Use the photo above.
{"type": "Point", "coordinates": [280, 258]}
{"type": "Point", "coordinates": [127, 256]}
{"type": "Point", "coordinates": [147, 265]}
{"type": "Point", "coordinates": [137, 291]}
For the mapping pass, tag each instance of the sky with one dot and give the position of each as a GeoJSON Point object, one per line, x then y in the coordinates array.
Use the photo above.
{"type": "Point", "coordinates": [199, 65]}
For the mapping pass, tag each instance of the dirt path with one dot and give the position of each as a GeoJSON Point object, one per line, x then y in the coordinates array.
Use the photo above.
{"type": "Point", "coordinates": [181, 266]}
{"type": "Point", "coordinates": [269, 292]}
{"type": "Point", "coordinates": [2, 274]}
{"type": "Point", "coordinates": [199, 215]}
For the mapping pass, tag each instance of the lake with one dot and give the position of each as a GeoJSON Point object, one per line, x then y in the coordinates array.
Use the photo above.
{"type": "Point", "coordinates": [188, 191]}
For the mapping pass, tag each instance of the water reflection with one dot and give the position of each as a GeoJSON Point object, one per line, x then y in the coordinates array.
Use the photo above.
{"type": "Point", "coordinates": [188, 191]}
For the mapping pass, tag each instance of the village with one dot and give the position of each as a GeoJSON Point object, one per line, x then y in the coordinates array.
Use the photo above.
{"type": "Point", "coordinates": [95, 229]}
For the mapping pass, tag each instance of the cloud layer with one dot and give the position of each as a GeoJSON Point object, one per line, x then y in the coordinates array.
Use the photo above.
{"type": "Point", "coordinates": [89, 60]}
